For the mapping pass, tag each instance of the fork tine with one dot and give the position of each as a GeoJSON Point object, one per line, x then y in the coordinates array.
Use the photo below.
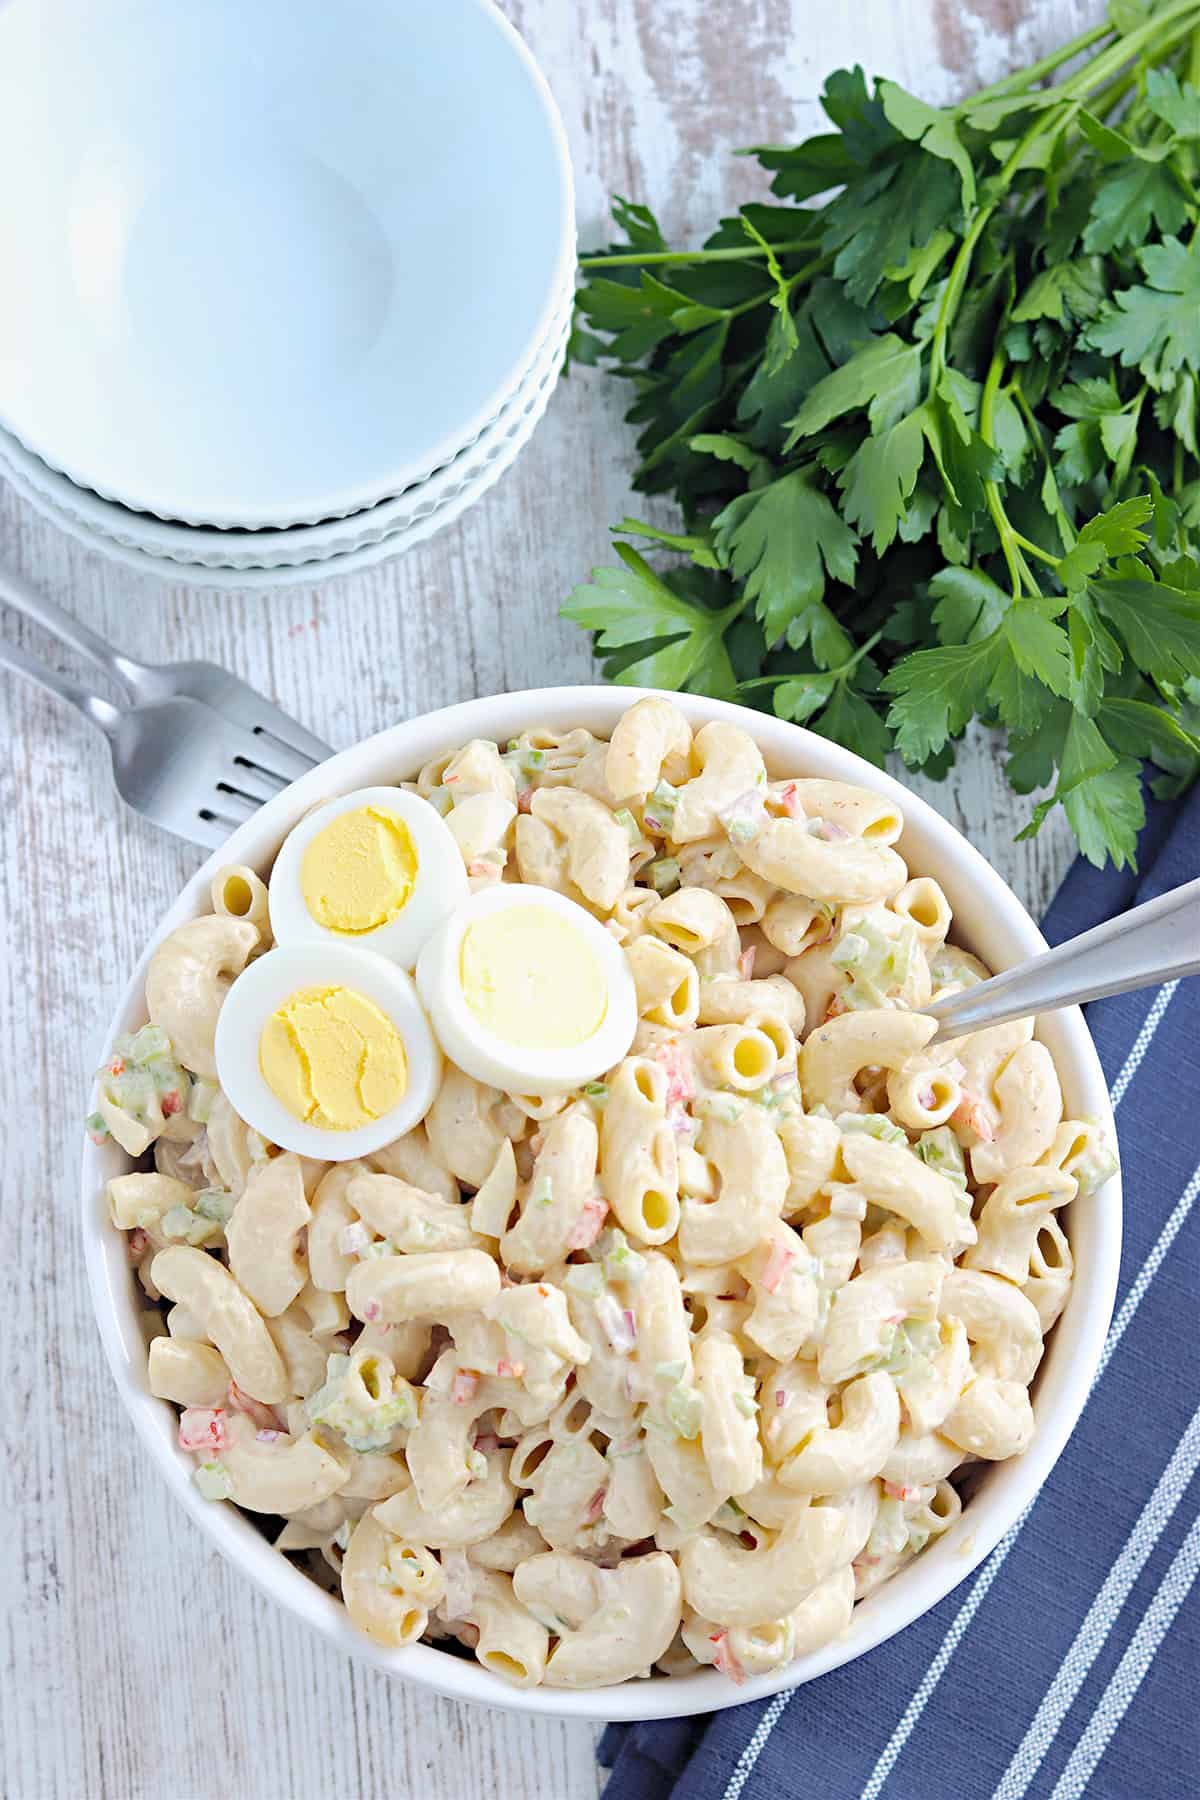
{"type": "Point", "coordinates": [235, 804]}
{"type": "Point", "coordinates": [256, 780]}
{"type": "Point", "coordinates": [289, 758]}
{"type": "Point", "coordinates": [289, 731]}
{"type": "Point", "coordinates": [210, 829]}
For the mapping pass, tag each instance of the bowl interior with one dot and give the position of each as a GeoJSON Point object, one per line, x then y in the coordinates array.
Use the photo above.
{"type": "Point", "coordinates": [357, 215]}
{"type": "Point", "coordinates": [988, 920]}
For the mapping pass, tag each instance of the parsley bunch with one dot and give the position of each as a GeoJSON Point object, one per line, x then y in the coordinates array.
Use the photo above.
{"type": "Point", "coordinates": [934, 435]}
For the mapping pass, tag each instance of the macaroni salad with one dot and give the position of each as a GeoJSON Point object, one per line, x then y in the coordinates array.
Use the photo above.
{"type": "Point", "coordinates": [668, 1370]}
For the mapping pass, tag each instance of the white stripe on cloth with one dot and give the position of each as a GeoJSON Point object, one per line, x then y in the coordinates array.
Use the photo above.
{"type": "Point", "coordinates": [1092, 1635]}
{"type": "Point", "coordinates": [755, 1744]}
{"type": "Point", "coordinates": [1130, 1672]}
{"type": "Point", "coordinates": [753, 1749]}
{"type": "Point", "coordinates": [1142, 1042]}
{"type": "Point", "coordinates": [905, 1725]}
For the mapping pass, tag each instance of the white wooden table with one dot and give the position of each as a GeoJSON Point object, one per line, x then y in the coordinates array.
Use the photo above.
{"type": "Point", "coordinates": [131, 1663]}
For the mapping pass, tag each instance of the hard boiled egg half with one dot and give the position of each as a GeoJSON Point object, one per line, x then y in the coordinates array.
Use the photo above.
{"type": "Point", "coordinates": [326, 1050]}
{"type": "Point", "coordinates": [527, 992]}
{"type": "Point", "coordinates": [378, 869]}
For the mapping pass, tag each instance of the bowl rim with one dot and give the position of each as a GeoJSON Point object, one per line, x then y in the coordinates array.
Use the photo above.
{"type": "Point", "coordinates": [224, 509]}
{"type": "Point", "coordinates": [1064, 1379]}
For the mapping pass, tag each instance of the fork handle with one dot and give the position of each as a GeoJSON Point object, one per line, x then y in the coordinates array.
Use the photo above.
{"type": "Point", "coordinates": [99, 711]}
{"type": "Point", "coordinates": [15, 591]}
{"type": "Point", "coordinates": [1158, 941]}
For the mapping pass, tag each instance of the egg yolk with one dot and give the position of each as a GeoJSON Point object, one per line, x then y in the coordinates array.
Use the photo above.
{"type": "Point", "coordinates": [333, 1058]}
{"type": "Point", "coordinates": [359, 871]}
{"type": "Point", "coordinates": [531, 978]}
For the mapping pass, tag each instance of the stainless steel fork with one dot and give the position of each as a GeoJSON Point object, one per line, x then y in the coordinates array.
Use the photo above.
{"type": "Point", "coordinates": [199, 749]}
{"type": "Point", "coordinates": [151, 683]}
{"type": "Point", "coordinates": [179, 763]}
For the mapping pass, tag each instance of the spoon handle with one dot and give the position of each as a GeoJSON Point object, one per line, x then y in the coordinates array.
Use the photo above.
{"type": "Point", "coordinates": [1156, 942]}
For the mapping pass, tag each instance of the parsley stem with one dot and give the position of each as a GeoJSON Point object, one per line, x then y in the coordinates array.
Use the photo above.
{"type": "Point", "coordinates": [635, 259]}
{"type": "Point", "coordinates": [1035, 549]}
{"type": "Point", "coordinates": [1122, 50]}
{"type": "Point", "coordinates": [1057, 510]}
{"type": "Point", "coordinates": [1010, 539]}
{"type": "Point", "coordinates": [810, 268]}
{"type": "Point", "coordinates": [769, 294]}
{"type": "Point", "coordinates": [1027, 78]}
{"type": "Point", "coordinates": [1116, 53]}
{"type": "Point", "coordinates": [1111, 95]}
{"type": "Point", "coordinates": [956, 281]}
{"type": "Point", "coordinates": [839, 674]}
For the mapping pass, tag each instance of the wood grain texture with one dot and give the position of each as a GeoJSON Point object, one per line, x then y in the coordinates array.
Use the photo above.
{"type": "Point", "coordinates": [132, 1665]}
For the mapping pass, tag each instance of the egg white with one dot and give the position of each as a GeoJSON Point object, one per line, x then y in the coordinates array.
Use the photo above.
{"type": "Point", "coordinates": [522, 1069]}
{"type": "Point", "coordinates": [440, 885]}
{"type": "Point", "coordinates": [263, 986]}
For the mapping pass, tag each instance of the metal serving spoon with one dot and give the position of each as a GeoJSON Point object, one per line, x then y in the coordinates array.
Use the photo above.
{"type": "Point", "coordinates": [1156, 942]}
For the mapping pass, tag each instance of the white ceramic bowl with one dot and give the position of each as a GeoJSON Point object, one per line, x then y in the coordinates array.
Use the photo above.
{"type": "Point", "coordinates": [293, 546]}
{"type": "Point", "coordinates": [157, 544]}
{"type": "Point", "coordinates": [279, 261]}
{"type": "Point", "coordinates": [988, 918]}
{"type": "Point", "coordinates": [339, 547]}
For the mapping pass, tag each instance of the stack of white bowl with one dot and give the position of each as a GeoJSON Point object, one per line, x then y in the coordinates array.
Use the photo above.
{"type": "Point", "coordinates": [288, 285]}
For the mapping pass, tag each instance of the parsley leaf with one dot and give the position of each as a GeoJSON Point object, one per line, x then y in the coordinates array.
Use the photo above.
{"type": "Point", "coordinates": [878, 481]}
{"type": "Point", "coordinates": [853, 722]}
{"type": "Point", "coordinates": [1064, 292]}
{"type": "Point", "coordinates": [964, 460]}
{"type": "Point", "coordinates": [1157, 327]}
{"type": "Point", "coordinates": [1137, 728]}
{"type": "Point", "coordinates": [858, 115]}
{"type": "Point", "coordinates": [1176, 106]}
{"type": "Point", "coordinates": [1127, 203]}
{"type": "Point", "coordinates": [1040, 647]}
{"type": "Point", "coordinates": [884, 377]}
{"type": "Point", "coordinates": [935, 130]}
{"type": "Point", "coordinates": [813, 167]}
{"type": "Point", "coordinates": [1101, 794]}
{"type": "Point", "coordinates": [680, 645]}
{"type": "Point", "coordinates": [803, 695]}
{"type": "Point", "coordinates": [1114, 533]}
{"type": "Point", "coordinates": [878, 220]}
{"type": "Point", "coordinates": [1106, 811]}
{"type": "Point", "coordinates": [781, 541]}
{"type": "Point", "coordinates": [937, 692]}
{"type": "Point", "coordinates": [1160, 625]}
{"type": "Point", "coordinates": [969, 605]}
{"type": "Point", "coordinates": [1094, 652]}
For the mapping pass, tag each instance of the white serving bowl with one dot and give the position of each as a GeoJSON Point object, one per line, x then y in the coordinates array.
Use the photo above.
{"type": "Point", "coordinates": [988, 918]}
{"type": "Point", "coordinates": [279, 261]}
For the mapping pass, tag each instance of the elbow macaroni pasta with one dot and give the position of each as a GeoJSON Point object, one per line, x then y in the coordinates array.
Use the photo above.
{"type": "Point", "coordinates": [666, 1372]}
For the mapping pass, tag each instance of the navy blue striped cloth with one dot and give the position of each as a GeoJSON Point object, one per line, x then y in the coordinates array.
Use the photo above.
{"type": "Point", "coordinates": [1068, 1664]}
